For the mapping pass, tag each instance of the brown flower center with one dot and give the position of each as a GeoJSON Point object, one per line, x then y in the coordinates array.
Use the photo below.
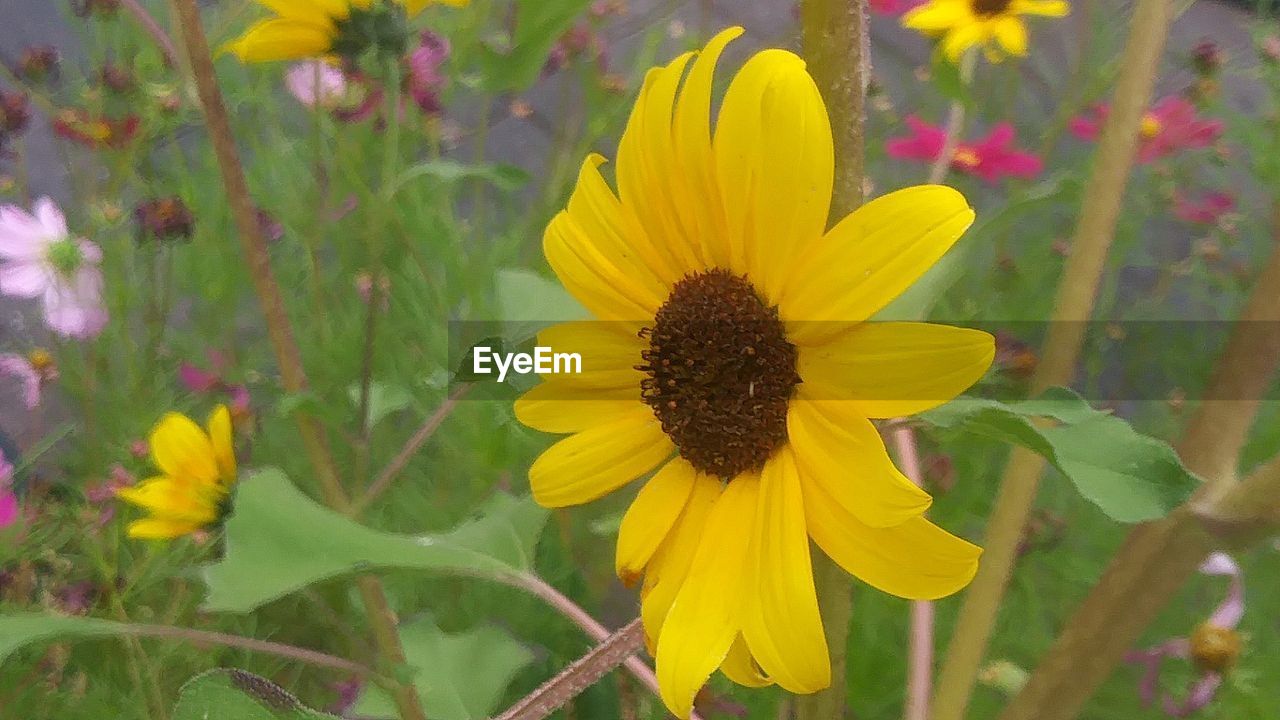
{"type": "Point", "coordinates": [1215, 648]}
{"type": "Point", "coordinates": [990, 8]}
{"type": "Point", "coordinates": [720, 373]}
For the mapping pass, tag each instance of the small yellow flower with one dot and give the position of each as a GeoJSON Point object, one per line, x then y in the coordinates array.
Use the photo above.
{"type": "Point", "coordinates": [994, 25]}
{"type": "Point", "coordinates": [318, 28]}
{"type": "Point", "coordinates": [731, 365]}
{"type": "Point", "coordinates": [198, 469]}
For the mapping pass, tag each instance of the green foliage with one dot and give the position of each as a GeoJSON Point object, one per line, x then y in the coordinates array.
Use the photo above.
{"type": "Point", "coordinates": [279, 541]}
{"type": "Point", "coordinates": [529, 302]}
{"type": "Point", "coordinates": [1131, 477]}
{"type": "Point", "coordinates": [238, 695]}
{"type": "Point", "coordinates": [459, 676]}
{"type": "Point", "coordinates": [20, 629]}
{"type": "Point", "coordinates": [539, 23]}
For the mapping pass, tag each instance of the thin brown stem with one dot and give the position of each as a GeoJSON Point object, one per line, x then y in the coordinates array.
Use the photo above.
{"type": "Point", "coordinates": [280, 331]}
{"type": "Point", "coordinates": [291, 652]}
{"type": "Point", "coordinates": [582, 674]}
{"type": "Point", "coordinates": [1073, 306]}
{"type": "Point", "coordinates": [920, 642]}
{"type": "Point", "coordinates": [411, 448]}
{"type": "Point", "coordinates": [152, 28]}
{"type": "Point", "coordinates": [955, 124]}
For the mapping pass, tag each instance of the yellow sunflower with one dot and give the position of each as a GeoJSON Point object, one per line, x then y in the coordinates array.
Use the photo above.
{"type": "Point", "coordinates": [316, 28]}
{"type": "Point", "coordinates": [994, 25]}
{"type": "Point", "coordinates": [197, 469]}
{"type": "Point", "coordinates": [731, 354]}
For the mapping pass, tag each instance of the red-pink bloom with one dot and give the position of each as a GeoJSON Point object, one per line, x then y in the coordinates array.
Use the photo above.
{"type": "Point", "coordinates": [8, 501]}
{"type": "Point", "coordinates": [204, 382]}
{"type": "Point", "coordinates": [426, 78]}
{"type": "Point", "coordinates": [1169, 126]}
{"type": "Point", "coordinates": [96, 132]}
{"type": "Point", "coordinates": [1205, 210]}
{"type": "Point", "coordinates": [990, 158]}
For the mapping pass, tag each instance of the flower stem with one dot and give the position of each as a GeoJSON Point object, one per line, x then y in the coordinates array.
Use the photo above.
{"type": "Point", "coordinates": [835, 40]}
{"type": "Point", "coordinates": [291, 652]}
{"type": "Point", "coordinates": [920, 644]}
{"type": "Point", "coordinates": [293, 376]}
{"type": "Point", "coordinates": [1158, 558]}
{"type": "Point", "coordinates": [152, 28]}
{"type": "Point", "coordinates": [582, 674]}
{"type": "Point", "coordinates": [1072, 307]}
{"type": "Point", "coordinates": [955, 123]}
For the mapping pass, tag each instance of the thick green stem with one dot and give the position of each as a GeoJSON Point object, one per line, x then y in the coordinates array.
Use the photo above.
{"type": "Point", "coordinates": [1073, 306]}
{"type": "Point", "coordinates": [835, 46]}
{"type": "Point", "coordinates": [280, 330]}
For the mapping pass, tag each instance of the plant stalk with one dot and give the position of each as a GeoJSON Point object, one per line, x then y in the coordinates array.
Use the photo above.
{"type": "Point", "coordinates": [835, 41]}
{"type": "Point", "coordinates": [1073, 307]}
{"type": "Point", "coordinates": [279, 329]}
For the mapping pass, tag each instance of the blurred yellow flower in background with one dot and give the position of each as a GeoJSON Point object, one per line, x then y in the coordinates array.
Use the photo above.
{"type": "Point", "coordinates": [996, 26]}
{"type": "Point", "coordinates": [730, 354]}
{"type": "Point", "coordinates": [318, 28]}
{"type": "Point", "coordinates": [198, 470]}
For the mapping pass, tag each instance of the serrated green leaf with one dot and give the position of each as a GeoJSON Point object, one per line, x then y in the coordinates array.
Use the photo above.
{"type": "Point", "coordinates": [539, 25]}
{"type": "Point", "coordinates": [1131, 477]}
{"type": "Point", "coordinates": [459, 676]}
{"type": "Point", "coordinates": [20, 629]}
{"type": "Point", "coordinates": [278, 541]}
{"type": "Point", "coordinates": [238, 695]}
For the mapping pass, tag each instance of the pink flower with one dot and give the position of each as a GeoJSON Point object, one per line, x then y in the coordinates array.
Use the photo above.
{"type": "Point", "coordinates": [1213, 647]}
{"type": "Point", "coordinates": [8, 501]}
{"type": "Point", "coordinates": [426, 78]}
{"type": "Point", "coordinates": [894, 7]}
{"type": "Point", "coordinates": [21, 368]}
{"type": "Point", "coordinates": [40, 259]}
{"type": "Point", "coordinates": [1203, 211]}
{"type": "Point", "coordinates": [990, 158]}
{"type": "Point", "coordinates": [316, 83]}
{"type": "Point", "coordinates": [1169, 126]}
{"type": "Point", "coordinates": [204, 382]}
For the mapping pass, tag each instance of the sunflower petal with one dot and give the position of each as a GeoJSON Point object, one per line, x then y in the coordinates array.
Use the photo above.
{"type": "Point", "coordinates": [651, 516]}
{"type": "Point", "coordinates": [782, 626]}
{"type": "Point", "coordinates": [934, 17]}
{"type": "Point", "coordinates": [839, 449]}
{"type": "Point", "coordinates": [705, 618]}
{"type": "Point", "coordinates": [168, 499]}
{"type": "Point", "coordinates": [562, 408]}
{"type": "Point", "coordinates": [916, 560]}
{"type": "Point", "coordinates": [182, 450]}
{"type": "Point", "coordinates": [598, 461]}
{"type": "Point", "coordinates": [775, 166]}
{"type": "Point", "coordinates": [223, 442]}
{"type": "Point", "coordinates": [741, 668]}
{"type": "Point", "coordinates": [612, 286]}
{"type": "Point", "coordinates": [610, 353]}
{"type": "Point", "coordinates": [669, 566]}
{"type": "Point", "coordinates": [1046, 8]}
{"type": "Point", "coordinates": [154, 529]}
{"type": "Point", "coordinates": [893, 369]}
{"type": "Point", "coordinates": [1012, 34]}
{"type": "Point", "coordinates": [870, 257]}
{"type": "Point", "coordinates": [282, 39]}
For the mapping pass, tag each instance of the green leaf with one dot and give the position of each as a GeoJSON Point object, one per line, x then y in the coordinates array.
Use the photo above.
{"type": "Point", "coordinates": [539, 25]}
{"type": "Point", "coordinates": [238, 695]}
{"type": "Point", "coordinates": [278, 541]}
{"type": "Point", "coordinates": [459, 676]}
{"type": "Point", "coordinates": [506, 178]}
{"type": "Point", "coordinates": [20, 629]}
{"type": "Point", "coordinates": [384, 400]}
{"type": "Point", "coordinates": [1131, 477]}
{"type": "Point", "coordinates": [946, 76]}
{"type": "Point", "coordinates": [529, 302]}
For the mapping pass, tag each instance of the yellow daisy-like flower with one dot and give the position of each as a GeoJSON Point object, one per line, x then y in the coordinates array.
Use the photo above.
{"type": "Point", "coordinates": [994, 25]}
{"type": "Point", "coordinates": [198, 469]}
{"type": "Point", "coordinates": [317, 28]}
{"type": "Point", "coordinates": [732, 355]}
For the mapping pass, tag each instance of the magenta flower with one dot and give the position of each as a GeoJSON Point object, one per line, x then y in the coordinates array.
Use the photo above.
{"type": "Point", "coordinates": [1168, 127]}
{"type": "Point", "coordinates": [894, 7]}
{"type": "Point", "coordinates": [205, 382]}
{"type": "Point", "coordinates": [426, 78]}
{"type": "Point", "coordinates": [8, 501]}
{"type": "Point", "coordinates": [990, 158]}
{"type": "Point", "coordinates": [1213, 647]}
{"type": "Point", "coordinates": [316, 83]}
{"type": "Point", "coordinates": [1205, 210]}
{"type": "Point", "coordinates": [40, 259]}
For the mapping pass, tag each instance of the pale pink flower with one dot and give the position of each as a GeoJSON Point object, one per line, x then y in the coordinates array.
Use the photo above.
{"type": "Point", "coordinates": [316, 83]}
{"type": "Point", "coordinates": [1213, 648]}
{"type": "Point", "coordinates": [40, 259]}
{"type": "Point", "coordinates": [8, 501]}
{"type": "Point", "coordinates": [21, 368]}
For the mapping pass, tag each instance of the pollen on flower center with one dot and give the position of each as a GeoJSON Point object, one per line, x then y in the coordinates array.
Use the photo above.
{"type": "Point", "coordinates": [1215, 648]}
{"type": "Point", "coordinates": [989, 8]}
{"type": "Point", "coordinates": [65, 256]}
{"type": "Point", "coordinates": [720, 372]}
{"type": "Point", "coordinates": [1151, 126]}
{"type": "Point", "coordinates": [965, 158]}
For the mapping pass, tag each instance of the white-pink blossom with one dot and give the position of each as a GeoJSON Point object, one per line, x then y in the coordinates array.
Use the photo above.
{"type": "Point", "coordinates": [28, 377]}
{"type": "Point", "coordinates": [39, 259]}
{"type": "Point", "coordinates": [316, 83]}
